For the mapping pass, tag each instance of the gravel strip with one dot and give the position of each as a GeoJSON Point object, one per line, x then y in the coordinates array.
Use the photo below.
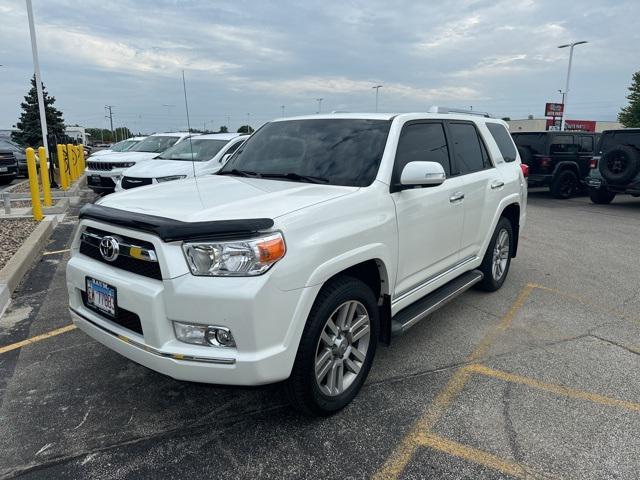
{"type": "Point", "coordinates": [24, 188]}
{"type": "Point", "coordinates": [13, 232]}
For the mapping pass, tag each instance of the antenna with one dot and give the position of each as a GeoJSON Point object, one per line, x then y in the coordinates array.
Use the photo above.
{"type": "Point", "coordinates": [186, 107]}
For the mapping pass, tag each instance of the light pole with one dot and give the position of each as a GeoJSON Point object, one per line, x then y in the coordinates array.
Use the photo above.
{"type": "Point", "coordinates": [36, 71]}
{"type": "Point", "coordinates": [319, 100]}
{"type": "Point", "coordinates": [566, 88]}
{"type": "Point", "coordinates": [377, 88]}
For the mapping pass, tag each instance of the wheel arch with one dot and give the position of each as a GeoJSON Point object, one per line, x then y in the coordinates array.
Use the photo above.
{"type": "Point", "coordinates": [512, 213]}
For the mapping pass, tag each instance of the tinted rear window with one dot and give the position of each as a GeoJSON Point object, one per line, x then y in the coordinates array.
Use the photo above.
{"type": "Point", "coordinates": [611, 139]}
{"type": "Point", "coordinates": [469, 157]}
{"type": "Point", "coordinates": [536, 142]}
{"type": "Point", "coordinates": [504, 141]}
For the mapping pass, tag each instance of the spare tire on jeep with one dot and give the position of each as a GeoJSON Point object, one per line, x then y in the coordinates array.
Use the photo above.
{"type": "Point", "coordinates": [620, 164]}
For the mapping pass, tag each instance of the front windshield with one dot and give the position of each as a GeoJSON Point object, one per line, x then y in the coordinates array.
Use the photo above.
{"type": "Point", "coordinates": [203, 149]}
{"type": "Point", "coordinates": [330, 151]}
{"type": "Point", "coordinates": [155, 144]}
{"type": "Point", "coordinates": [124, 145]}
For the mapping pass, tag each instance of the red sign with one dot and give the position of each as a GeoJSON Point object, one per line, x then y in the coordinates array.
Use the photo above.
{"type": "Point", "coordinates": [573, 125]}
{"type": "Point", "coordinates": [553, 109]}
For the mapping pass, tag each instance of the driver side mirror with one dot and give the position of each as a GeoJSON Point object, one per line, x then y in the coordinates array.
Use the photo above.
{"type": "Point", "coordinates": [424, 174]}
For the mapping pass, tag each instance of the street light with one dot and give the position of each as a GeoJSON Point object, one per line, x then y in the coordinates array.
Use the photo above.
{"type": "Point", "coordinates": [319, 100]}
{"type": "Point", "coordinates": [566, 88]}
{"type": "Point", "coordinates": [377, 88]}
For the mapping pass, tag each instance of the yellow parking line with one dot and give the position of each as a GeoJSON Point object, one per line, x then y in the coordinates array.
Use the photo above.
{"type": "Point", "coordinates": [37, 338]}
{"type": "Point", "coordinates": [480, 457]}
{"type": "Point", "coordinates": [401, 456]}
{"type": "Point", "coordinates": [56, 251]}
{"type": "Point", "coordinates": [553, 388]}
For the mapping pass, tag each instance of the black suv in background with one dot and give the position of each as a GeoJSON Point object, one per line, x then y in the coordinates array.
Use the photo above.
{"type": "Point", "coordinates": [558, 160]}
{"type": "Point", "coordinates": [8, 166]}
{"type": "Point", "coordinates": [616, 168]}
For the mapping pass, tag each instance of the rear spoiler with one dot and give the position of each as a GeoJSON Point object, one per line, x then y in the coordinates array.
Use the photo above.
{"type": "Point", "coordinates": [170, 230]}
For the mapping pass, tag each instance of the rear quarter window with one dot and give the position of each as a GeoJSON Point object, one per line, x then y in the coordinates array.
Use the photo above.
{"type": "Point", "coordinates": [504, 141]}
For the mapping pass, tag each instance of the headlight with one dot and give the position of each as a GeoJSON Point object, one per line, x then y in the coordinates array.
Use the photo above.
{"type": "Point", "coordinates": [235, 258]}
{"type": "Point", "coordinates": [170, 177]}
{"type": "Point", "coordinates": [127, 164]}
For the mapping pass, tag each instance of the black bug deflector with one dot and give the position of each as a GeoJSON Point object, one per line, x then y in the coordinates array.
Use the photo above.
{"type": "Point", "coordinates": [170, 230]}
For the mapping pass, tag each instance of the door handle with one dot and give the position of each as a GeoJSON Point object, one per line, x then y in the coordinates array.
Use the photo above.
{"type": "Point", "coordinates": [497, 184]}
{"type": "Point", "coordinates": [456, 197]}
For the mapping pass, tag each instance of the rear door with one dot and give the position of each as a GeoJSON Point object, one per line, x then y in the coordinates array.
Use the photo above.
{"type": "Point", "coordinates": [482, 184]}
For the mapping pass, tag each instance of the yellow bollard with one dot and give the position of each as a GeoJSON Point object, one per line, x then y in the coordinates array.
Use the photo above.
{"type": "Point", "coordinates": [80, 169]}
{"type": "Point", "coordinates": [44, 176]}
{"type": "Point", "coordinates": [62, 168]}
{"type": "Point", "coordinates": [83, 165]}
{"type": "Point", "coordinates": [33, 184]}
{"type": "Point", "coordinates": [71, 161]}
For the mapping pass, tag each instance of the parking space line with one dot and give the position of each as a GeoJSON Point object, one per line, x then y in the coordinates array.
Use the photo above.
{"type": "Point", "coordinates": [553, 388]}
{"type": "Point", "coordinates": [480, 457]}
{"type": "Point", "coordinates": [400, 457]}
{"type": "Point", "coordinates": [54, 252]}
{"type": "Point", "coordinates": [37, 338]}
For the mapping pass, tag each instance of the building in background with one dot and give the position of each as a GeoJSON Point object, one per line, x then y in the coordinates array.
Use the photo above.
{"type": "Point", "coordinates": [544, 124]}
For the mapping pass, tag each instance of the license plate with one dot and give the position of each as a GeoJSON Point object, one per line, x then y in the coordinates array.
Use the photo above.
{"type": "Point", "coordinates": [4, 169]}
{"type": "Point", "coordinates": [101, 296]}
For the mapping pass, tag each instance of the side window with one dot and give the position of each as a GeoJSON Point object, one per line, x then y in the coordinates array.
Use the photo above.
{"type": "Point", "coordinates": [467, 148]}
{"type": "Point", "coordinates": [586, 144]}
{"type": "Point", "coordinates": [562, 144]}
{"type": "Point", "coordinates": [233, 148]}
{"type": "Point", "coordinates": [422, 142]}
{"type": "Point", "coordinates": [503, 140]}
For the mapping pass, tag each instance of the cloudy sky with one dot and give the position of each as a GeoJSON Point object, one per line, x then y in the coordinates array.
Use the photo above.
{"type": "Point", "coordinates": [252, 57]}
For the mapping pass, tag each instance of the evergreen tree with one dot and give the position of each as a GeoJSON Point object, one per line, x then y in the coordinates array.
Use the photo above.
{"type": "Point", "coordinates": [629, 116]}
{"type": "Point", "coordinates": [29, 132]}
{"type": "Point", "coordinates": [245, 129]}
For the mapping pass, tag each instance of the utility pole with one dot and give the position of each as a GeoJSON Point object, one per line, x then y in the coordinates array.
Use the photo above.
{"type": "Point", "coordinates": [319, 100]}
{"type": "Point", "coordinates": [566, 88]}
{"type": "Point", "coordinates": [377, 89]}
{"type": "Point", "coordinates": [110, 117]}
{"type": "Point", "coordinates": [36, 71]}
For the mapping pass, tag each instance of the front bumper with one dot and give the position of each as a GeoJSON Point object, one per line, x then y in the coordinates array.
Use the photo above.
{"type": "Point", "coordinates": [103, 181]}
{"type": "Point", "coordinates": [266, 322]}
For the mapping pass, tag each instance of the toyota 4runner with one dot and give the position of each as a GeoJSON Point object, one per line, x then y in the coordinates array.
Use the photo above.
{"type": "Point", "coordinates": [321, 237]}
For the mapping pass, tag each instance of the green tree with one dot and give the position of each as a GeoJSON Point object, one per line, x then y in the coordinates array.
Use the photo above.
{"type": "Point", "coordinates": [629, 116]}
{"type": "Point", "coordinates": [245, 129]}
{"type": "Point", "coordinates": [28, 127]}
{"type": "Point", "coordinates": [223, 129]}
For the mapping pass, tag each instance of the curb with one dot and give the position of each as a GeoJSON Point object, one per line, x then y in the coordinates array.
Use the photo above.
{"type": "Point", "coordinates": [23, 259]}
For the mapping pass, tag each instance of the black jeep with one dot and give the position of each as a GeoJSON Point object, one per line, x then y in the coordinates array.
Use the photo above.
{"type": "Point", "coordinates": [616, 168]}
{"type": "Point", "coordinates": [559, 160]}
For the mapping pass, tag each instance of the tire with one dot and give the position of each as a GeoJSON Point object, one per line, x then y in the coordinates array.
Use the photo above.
{"type": "Point", "coordinates": [525, 155]}
{"type": "Point", "coordinates": [564, 184]}
{"type": "Point", "coordinates": [316, 394]}
{"type": "Point", "coordinates": [6, 180]}
{"type": "Point", "coordinates": [620, 164]}
{"type": "Point", "coordinates": [492, 279]}
{"type": "Point", "coordinates": [601, 196]}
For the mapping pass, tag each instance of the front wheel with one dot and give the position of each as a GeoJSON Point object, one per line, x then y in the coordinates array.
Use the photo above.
{"type": "Point", "coordinates": [337, 348]}
{"type": "Point", "coordinates": [601, 196]}
{"type": "Point", "coordinates": [497, 258]}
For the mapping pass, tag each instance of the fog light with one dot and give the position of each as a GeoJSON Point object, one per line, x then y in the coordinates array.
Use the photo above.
{"type": "Point", "coordinates": [204, 335]}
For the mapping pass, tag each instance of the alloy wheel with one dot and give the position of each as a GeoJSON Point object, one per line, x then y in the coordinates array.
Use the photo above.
{"type": "Point", "coordinates": [500, 255]}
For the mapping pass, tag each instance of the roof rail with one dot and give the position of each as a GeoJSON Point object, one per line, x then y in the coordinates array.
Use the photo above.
{"type": "Point", "coordinates": [437, 109]}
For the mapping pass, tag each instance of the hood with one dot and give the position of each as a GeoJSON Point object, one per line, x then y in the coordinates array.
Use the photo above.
{"type": "Point", "coordinates": [129, 156]}
{"type": "Point", "coordinates": [218, 197]}
{"type": "Point", "coordinates": [164, 168]}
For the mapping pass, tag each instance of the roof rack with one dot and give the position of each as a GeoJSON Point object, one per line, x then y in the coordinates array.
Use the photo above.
{"type": "Point", "coordinates": [437, 109]}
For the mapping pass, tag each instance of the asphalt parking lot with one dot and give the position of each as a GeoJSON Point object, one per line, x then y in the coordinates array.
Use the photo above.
{"type": "Point", "coordinates": [538, 380]}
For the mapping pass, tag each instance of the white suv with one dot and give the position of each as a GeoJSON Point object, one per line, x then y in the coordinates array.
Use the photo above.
{"type": "Point", "coordinates": [202, 155]}
{"type": "Point", "coordinates": [319, 238]}
{"type": "Point", "coordinates": [104, 171]}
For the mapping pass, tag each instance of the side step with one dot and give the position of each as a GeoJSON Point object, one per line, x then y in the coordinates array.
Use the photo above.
{"type": "Point", "coordinates": [409, 316]}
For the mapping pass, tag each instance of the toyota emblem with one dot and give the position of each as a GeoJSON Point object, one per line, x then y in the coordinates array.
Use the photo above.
{"type": "Point", "coordinates": [109, 248]}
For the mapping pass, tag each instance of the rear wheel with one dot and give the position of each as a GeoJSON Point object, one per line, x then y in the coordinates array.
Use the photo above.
{"type": "Point", "coordinates": [497, 258]}
{"type": "Point", "coordinates": [337, 348]}
{"type": "Point", "coordinates": [601, 196]}
{"type": "Point", "coordinates": [565, 184]}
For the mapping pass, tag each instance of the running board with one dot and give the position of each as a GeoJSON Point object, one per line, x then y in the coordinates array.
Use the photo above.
{"type": "Point", "coordinates": [409, 316]}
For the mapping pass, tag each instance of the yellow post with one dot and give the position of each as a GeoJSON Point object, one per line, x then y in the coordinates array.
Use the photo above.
{"type": "Point", "coordinates": [72, 163]}
{"type": "Point", "coordinates": [62, 168]}
{"type": "Point", "coordinates": [33, 184]}
{"type": "Point", "coordinates": [82, 162]}
{"type": "Point", "coordinates": [44, 176]}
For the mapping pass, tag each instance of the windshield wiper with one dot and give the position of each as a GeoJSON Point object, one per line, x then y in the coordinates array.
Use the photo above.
{"type": "Point", "coordinates": [240, 173]}
{"type": "Point", "coordinates": [296, 177]}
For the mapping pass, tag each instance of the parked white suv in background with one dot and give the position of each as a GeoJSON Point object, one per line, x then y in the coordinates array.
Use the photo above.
{"type": "Point", "coordinates": [103, 172]}
{"type": "Point", "coordinates": [122, 146]}
{"type": "Point", "coordinates": [201, 155]}
{"type": "Point", "coordinates": [320, 237]}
